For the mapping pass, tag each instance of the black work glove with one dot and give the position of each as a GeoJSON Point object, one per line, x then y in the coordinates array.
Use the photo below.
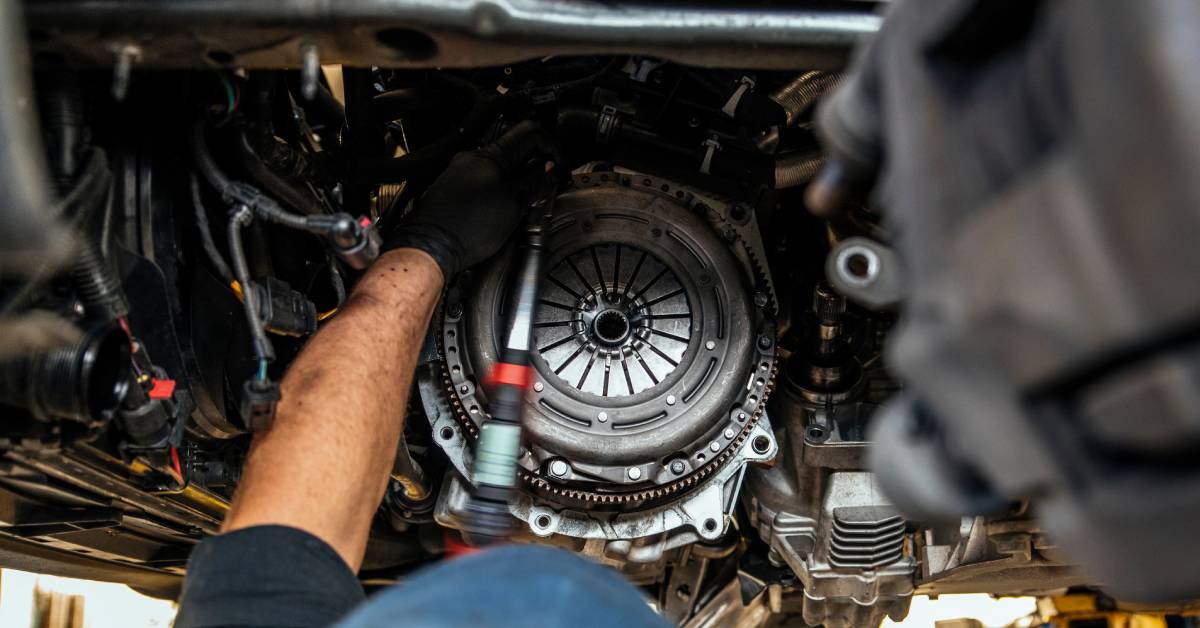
{"type": "Point", "coordinates": [1046, 219]}
{"type": "Point", "coordinates": [473, 207]}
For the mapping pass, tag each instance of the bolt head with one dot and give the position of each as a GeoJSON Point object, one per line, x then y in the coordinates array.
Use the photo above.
{"type": "Point", "coordinates": [558, 467]}
{"type": "Point", "coordinates": [760, 299]}
{"type": "Point", "coordinates": [537, 387]}
{"type": "Point", "coordinates": [634, 473]}
{"type": "Point", "coordinates": [710, 345]}
{"type": "Point", "coordinates": [677, 467]}
{"type": "Point", "coordinates": [670, 400]}
{"type": "Point", "coordinates": [714, 447]}
{"type": "Point", "coordinates": [765, 341]}
{"type": "Point", "coordinates": [729, 432]}
{"type": "Point", "coordinates": [602, 417]}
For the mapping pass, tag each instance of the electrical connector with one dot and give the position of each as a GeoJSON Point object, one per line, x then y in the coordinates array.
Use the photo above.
{"type": "Point", "coordinates": [356, 242]}
{"type": "Point", "coordinates": [259, 399]}
{"type": "Point", "coordinates": [283, 310]}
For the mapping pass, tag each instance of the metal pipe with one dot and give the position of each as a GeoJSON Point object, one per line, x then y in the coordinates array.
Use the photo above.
{"type": "Point", "coordinates": [796, 169]}
{"type": "Point", "coordinates": [409, 475]}
{"type": "Point", "coordinates": [803, 91]}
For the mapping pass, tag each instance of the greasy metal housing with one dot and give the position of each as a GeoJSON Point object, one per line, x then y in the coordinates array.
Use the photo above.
{"type": "Point", "coordinates": [648, 366]}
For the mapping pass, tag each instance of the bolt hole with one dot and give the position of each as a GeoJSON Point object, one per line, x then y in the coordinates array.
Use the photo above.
{"type": "Point", "coordinates": [542, 521]}
{"type": "Point", "coordinates": [710, 525]}
{"type": "Point", "coordinates": [447, 433]}
{"type": "Point", "coordinates": [761, 444]}
{"type": "Point", "coordinates": [858, 265]}
{"type": "Point", "coordinates": [407, 43]}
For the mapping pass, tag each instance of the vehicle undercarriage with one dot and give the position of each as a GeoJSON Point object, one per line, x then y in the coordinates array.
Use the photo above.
{"type": "Point", "coordinates": [703, 385]}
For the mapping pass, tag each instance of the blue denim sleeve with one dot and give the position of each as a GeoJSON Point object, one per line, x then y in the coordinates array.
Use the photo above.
{"type": "Point", "coordinates": [516, 585]}
{"type": "Point", "coordinates": [266, 576]}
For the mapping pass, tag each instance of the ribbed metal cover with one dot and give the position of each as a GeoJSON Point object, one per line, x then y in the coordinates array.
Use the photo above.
{"type": "Point", "coordinates": [866, 537]}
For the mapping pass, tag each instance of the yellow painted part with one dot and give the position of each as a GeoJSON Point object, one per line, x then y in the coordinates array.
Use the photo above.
{"type": "Point", "coordinates": [201, 498]}
{"type": "Point", "coordinates": [237, 289]}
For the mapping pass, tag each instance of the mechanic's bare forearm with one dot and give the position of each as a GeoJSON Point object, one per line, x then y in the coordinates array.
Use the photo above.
{"type": "Point", "coordinates": [323, 466]}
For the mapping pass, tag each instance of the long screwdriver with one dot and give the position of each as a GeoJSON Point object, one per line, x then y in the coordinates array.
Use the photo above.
{"type": "Point", "coordinates": [494, 470]}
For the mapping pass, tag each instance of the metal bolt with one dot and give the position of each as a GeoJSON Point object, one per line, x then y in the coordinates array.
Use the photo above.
{"type": "Point", "coordinates": [558, 467]}
{"type": "Point", "coordinates": [454, 310]}
{"type": "Point", "coordinates": [464, 389]}
{"type": "Point", "coordinates": [710, 345]}
{"type": "Point", "coordinates": [670, 400]}
{"type": "Point", "coordinates": [310, 71]}
{"type": "Point", "coordinates": [729, 432]}
{"type": "Point", "coordinates": [635, 473]}
{"type": "Point", "coordinates": [602, 417]}
{"type": "Point", "coordinates": [125, 56]}
{"type": "Point", "coordinates": [677, 467]}
{"type": "Point", "coordinates": [760, 299]}
{"type": "Point", "coordinates": [765, 341]}
{"type": "Point", "coordinates": [537, 387]}
{"type": "Point", "coordinates": [741, 416]}
{"type": "Point", "coordinates": [714, 447]}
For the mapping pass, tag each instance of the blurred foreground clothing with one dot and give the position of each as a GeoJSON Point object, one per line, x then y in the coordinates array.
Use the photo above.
{"type": "Point", "coordinates": [1035, 165]}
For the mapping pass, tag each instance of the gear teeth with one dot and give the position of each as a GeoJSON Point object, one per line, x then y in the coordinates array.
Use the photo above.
{"type": "Point", "coordinates": [762, 278]}
{"type": "Point", "coordinates": [762, 282]}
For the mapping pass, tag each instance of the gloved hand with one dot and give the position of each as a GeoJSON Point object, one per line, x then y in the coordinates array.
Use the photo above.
{"type": "Point", "coordinates": [473, 207]}
{"type": "Point", "coordinates": [1045, 218]}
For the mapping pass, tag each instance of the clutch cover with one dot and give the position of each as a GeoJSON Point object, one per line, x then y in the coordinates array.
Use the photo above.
{"type": "Point", "coordinates": [651, 358]}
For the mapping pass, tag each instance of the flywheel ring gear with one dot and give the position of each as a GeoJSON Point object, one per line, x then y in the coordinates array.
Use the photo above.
{"type": "Point", "coordinates": [642, 280]}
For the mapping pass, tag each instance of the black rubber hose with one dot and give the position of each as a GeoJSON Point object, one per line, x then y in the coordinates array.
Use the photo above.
{"type": "Point", "coordinates": [205, 163]}
{"type": "Point", "coordinates": [240, 218]}
{"type": "Point", "coordinates": [82, 192]}
{"type": "Point", "coordinates": [206, 239]}
{"type": "Point", "coordinates": [94, 276]}
{"type": "Point", "coordinates": [275, 184]}
{"type": "Point", "coordinates": [231, 191]}
{"type": "Point", "coordinates": [98, 284]}
{"type": "Point", "coordinates": [84, 381]}
{"type": "Point", "coordinates": [62, 118]}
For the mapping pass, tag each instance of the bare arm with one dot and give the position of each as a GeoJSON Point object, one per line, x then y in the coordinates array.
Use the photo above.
{"type": "Point", "coordinates": [323, 466]}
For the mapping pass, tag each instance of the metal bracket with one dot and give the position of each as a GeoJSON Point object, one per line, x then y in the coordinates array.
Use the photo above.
{"type": "Point", "coordinates": [606, 124]}
{"type": "Point", "coordinates": [712, 146]}
{"type": "Point", "coordinates": [745, 84]}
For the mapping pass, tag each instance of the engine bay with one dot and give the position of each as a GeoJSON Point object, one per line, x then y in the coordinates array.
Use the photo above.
{"type": "Point", "coordinates": [703, 384]}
